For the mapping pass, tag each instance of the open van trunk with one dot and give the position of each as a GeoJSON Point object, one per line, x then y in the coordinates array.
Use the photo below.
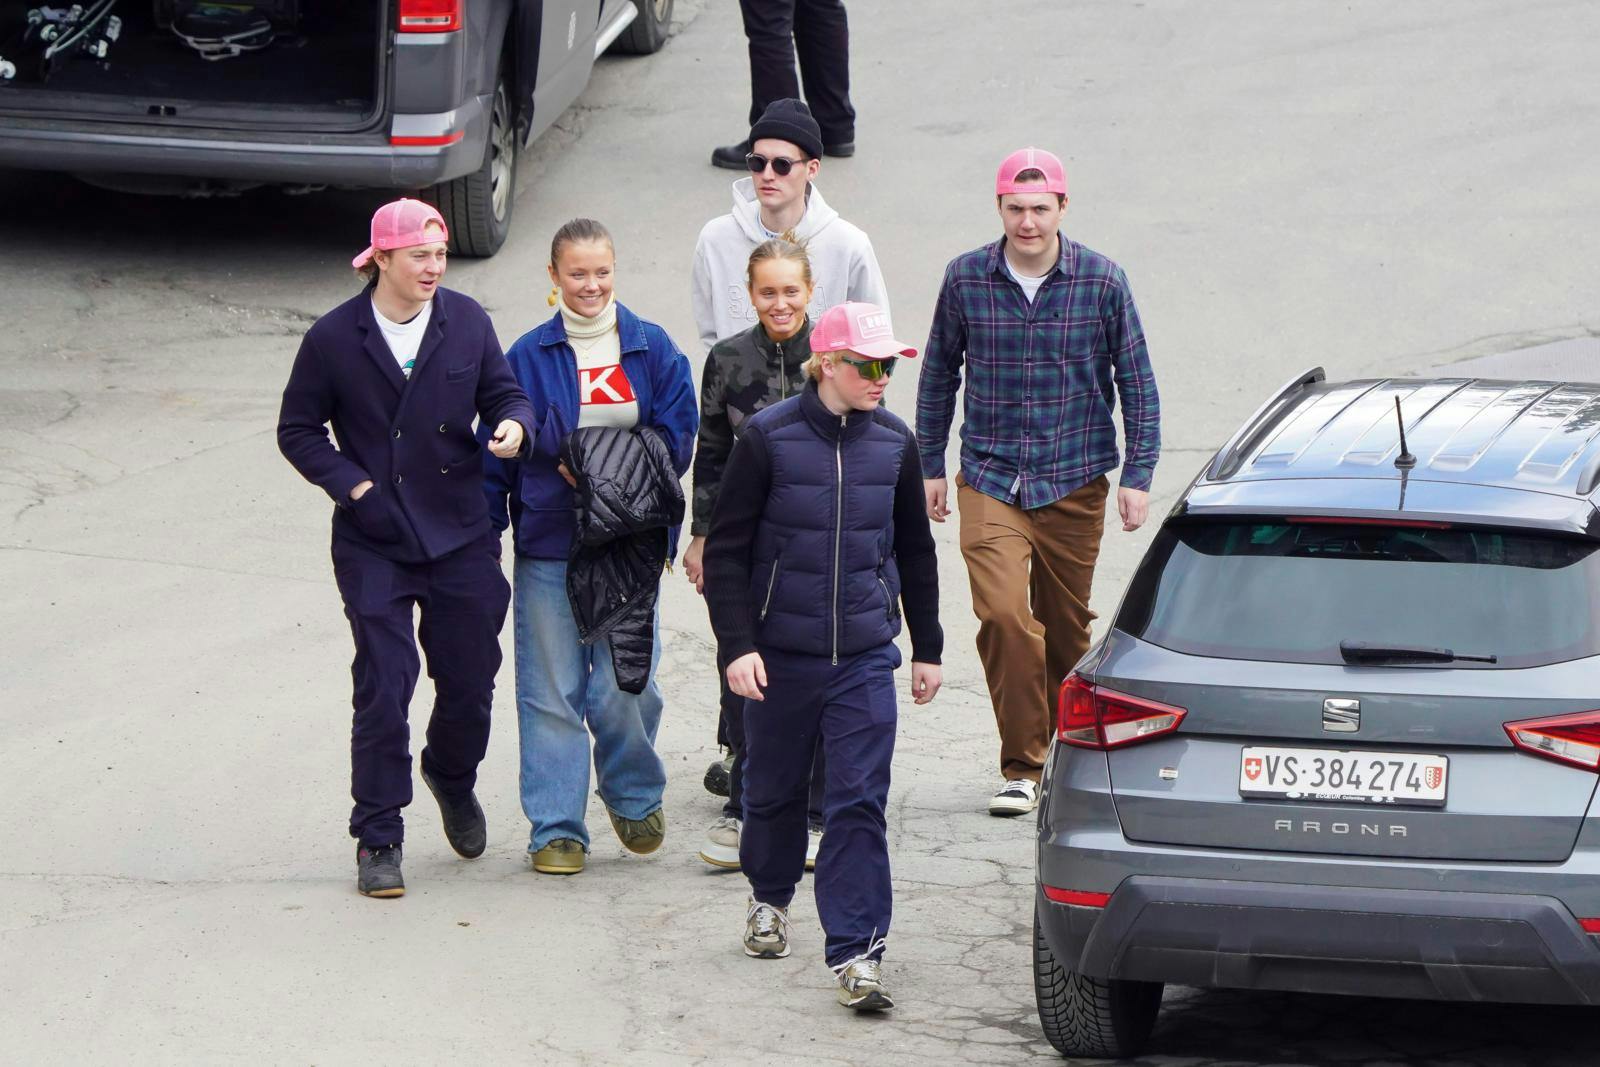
{"type": "Point", "coordinates": [323, 71]}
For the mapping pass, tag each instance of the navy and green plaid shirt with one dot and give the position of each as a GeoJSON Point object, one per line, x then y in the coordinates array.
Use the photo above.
{"type": "Point", "coordinates": [1036, 423]}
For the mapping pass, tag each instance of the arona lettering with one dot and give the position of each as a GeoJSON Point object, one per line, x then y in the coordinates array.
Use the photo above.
{"type": "Point", "coordinates": [1366, 829]}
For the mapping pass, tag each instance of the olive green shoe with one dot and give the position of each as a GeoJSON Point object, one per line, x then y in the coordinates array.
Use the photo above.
{"type": "Point", "coordinates": [642, 836]}
{"type": "Point", "coordinates": [561, 856]}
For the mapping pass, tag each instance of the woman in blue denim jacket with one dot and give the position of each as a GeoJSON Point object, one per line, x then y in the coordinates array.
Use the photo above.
{"type": "Point", "coordinates": [594, 363]}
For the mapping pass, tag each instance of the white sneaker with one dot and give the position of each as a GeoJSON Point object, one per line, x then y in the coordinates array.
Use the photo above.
{"type": "Point", "coordinates": [813, 846]}
{"type": "Point", "coordinates": [1018, 797]}
{"type": "Point", "coordinates": [722, 844]}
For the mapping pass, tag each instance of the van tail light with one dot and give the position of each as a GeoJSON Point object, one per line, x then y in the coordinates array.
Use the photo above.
{"type": "Point", "coordinates": [1092, 716]}
{"type": "Point", "coordinates": [430, 16]}
{"type": "Point", "coordinates": [1569, 739]}
{"type": "Point", "coordinates": [1077, 896]}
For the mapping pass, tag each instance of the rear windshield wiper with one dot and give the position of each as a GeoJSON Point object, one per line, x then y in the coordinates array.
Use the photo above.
{"type": "Point", "coordinates": [1362, 652]}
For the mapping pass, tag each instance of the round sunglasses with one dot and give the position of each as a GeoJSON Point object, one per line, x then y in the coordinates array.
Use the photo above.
{"type": "Point", "coordinates": [781, 166]}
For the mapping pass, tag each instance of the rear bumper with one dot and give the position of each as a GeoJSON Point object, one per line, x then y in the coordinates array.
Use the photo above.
{"type": "Point", "coordinates": [368, 160]}
{"type": "Point", "coordinates": [1320, 939]}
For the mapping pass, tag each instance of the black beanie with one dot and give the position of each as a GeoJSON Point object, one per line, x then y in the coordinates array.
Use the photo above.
{"type": "Point", "coordinates": [789, 120]}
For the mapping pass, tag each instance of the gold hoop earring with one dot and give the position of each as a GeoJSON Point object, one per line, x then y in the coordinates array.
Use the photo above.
{"type": "Point", "coordinates": [554, 297]}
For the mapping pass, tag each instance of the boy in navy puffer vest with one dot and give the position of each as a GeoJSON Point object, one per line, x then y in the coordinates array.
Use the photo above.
{"type": "Point", "coordinates": [819, 535]}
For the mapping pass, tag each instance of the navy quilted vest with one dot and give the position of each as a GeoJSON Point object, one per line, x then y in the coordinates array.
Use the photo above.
{"type": "Point", "coordinates": [823, 576]}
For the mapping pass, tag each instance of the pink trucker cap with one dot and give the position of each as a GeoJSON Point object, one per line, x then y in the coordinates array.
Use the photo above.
{"type": "Point", "coordinates": [400, 224]}
{"type": "Point", "coordinates": [862, 328]}
{"type": "Point", "coordinates": [1055, 175]}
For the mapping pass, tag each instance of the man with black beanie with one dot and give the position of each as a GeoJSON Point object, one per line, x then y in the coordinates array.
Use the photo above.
{"type": "Point", "coordinates": [819, 31]}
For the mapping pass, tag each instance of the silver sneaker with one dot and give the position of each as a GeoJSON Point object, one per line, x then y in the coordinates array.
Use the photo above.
{"type": "Point", "coordinates": [766, 931]}
{"type": "Point", "coordinates": [861, 985]}
{"type": "Point", "coordinates": [722, 844]}
{"type": "Point", "coordinates": [1017, 797]}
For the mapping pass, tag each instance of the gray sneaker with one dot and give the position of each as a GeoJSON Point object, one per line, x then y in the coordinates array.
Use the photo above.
{"type": "Point", "coordinates": [378, 871]}
{"type": "Point", "coordinates": [766, 931]}
{"type": "Point", "coordinates": [722, 844]}
{"type": "Point", "coordinates": [861, 985]}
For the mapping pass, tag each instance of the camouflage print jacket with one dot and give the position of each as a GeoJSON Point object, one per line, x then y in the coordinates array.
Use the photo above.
{"type": "Point", "coordinates": [743, 374]}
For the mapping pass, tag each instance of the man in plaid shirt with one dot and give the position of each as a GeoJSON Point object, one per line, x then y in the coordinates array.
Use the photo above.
{"type": "Point", "coordinates": [1051, 342]}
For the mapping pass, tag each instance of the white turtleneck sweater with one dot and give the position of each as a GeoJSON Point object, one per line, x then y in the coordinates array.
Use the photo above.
{"type": "Point", "coordinates": [605, 396]}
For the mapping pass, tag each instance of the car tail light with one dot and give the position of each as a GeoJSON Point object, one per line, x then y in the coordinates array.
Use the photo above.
{"type": "Point", "coordinates": [1590, 926]}
{"type": "Point", "coordinates": [1076, 896]}
{"type": "Point", "coordinates": [1570, 739]}
{"type": "Point", "coordinates": [430, 16]}
{"type": "Point", "coordinates": [1092, 716]}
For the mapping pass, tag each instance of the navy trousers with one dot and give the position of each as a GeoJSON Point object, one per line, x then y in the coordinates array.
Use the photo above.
{"type": "Point", "coordinates": [851, 707]}
{"type": "Point", "coordinates": [730, 732]}
{"type": "Point", "coordinates": [819, 32]}
{"type": "Point", "coordinates": [463, 598]}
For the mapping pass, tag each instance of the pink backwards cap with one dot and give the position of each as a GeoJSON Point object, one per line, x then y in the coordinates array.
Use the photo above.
{"type": "Point", "coordinates": [401, 224]}
{"type": "Point", "coordinates": [860, 328]}
{"type": "Point", "coordinates": [1055, 175]}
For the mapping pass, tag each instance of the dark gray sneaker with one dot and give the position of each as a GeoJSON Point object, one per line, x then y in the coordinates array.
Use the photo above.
{"type": "Point", "coordinates": [731, 156]}
{"type": "Point", "coordinates": [378, 871]}
{"type": "Point", "coordinates": [464, 826]}
{"type": "Point", "coordinates": [719, 776]}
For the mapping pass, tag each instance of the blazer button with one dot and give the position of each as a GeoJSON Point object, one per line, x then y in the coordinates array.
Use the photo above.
{"type": "Point", "coordinates": [444, 470]}
{"type": "Point", "coordinates": [396, 479]}
{"type": "Point", "coordinates": [441, 427]}
{"type": "Point", "coordinates": [397, 435]}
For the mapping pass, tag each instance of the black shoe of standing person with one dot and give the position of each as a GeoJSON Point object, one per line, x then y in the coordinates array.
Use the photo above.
{"type": "Point", "coordinates": [378, 871]}
{"type": "Point", "coordinates": [464, 826]}
{"type": "Point", "coordinates": [842, 149]}
{"type": "Point", "coordinates": [731, 156]}
{"type": "Point", "coordinates": [719, 777]}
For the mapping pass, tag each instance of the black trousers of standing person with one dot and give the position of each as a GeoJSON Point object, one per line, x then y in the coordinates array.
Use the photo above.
{"type": "Point", "coordinates": [463, 598]}
{"type": "Point", "coordinates": [820, 33]}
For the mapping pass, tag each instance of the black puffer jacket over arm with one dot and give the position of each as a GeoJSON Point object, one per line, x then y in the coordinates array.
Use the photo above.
{"type": "Point", "coordinates": [628, 497]}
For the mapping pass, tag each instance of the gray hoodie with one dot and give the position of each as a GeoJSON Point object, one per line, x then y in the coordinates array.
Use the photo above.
{"type": "Point", "coordinates": [843, 265]}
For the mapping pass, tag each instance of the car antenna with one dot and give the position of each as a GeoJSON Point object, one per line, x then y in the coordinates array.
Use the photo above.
{"type": "Point", "coordinates": [1405, 460]}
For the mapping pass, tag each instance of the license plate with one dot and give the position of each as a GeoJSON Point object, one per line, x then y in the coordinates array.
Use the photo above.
{"type": "Point", "coordinates": [1351, 777]}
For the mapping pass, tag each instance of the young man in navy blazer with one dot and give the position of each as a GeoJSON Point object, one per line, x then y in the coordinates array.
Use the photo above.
{"type": "Point", "coordinates": [401, 371]}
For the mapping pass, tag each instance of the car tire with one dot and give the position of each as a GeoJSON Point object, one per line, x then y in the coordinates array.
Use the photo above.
{"type": "Point", "coordinates": [1085, 1016]}
{"type": "Point", "coordinates": [477, 207]}
{"type": "Point", "coordinates": [648, 32]}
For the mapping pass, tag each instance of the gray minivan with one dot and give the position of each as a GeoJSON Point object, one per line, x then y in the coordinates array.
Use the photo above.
{"type": "Point", "coordinates": [429, 96]}
{"type": "Point", "coordinates": [1343, 734]}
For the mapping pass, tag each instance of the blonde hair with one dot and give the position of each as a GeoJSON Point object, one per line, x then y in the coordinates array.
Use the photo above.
{"type": "Point", "coordinates": [785, 246]}
{"type": "Point", "coordinates": [577, 231]}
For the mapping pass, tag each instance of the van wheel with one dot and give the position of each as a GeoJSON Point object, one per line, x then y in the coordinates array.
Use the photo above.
{"type": "Point", "coordinates": [477, 207]}
{"type": "Point", "coordinates": [648, 32]}
{"type": "Point", "coordinates": [1085, 1016]}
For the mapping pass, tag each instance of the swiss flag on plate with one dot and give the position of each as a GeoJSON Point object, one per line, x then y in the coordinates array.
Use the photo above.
{"type": "Point", "coordinates": [1252, 767]}
{"type": "Point", "coordinates": [604, 385]}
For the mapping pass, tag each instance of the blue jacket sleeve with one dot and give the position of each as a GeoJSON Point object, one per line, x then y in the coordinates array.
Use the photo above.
{"type": "Point", "coordinates": [674, 411]}
{"type": "Point", "coordinates": [499, 480]}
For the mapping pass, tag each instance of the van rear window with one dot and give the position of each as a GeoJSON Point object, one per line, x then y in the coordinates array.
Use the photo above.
{"type": "Point", "coordinates": [1291, 592]}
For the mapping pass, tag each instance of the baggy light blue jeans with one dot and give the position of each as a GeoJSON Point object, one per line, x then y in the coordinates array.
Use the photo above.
{"type": "Point", "coordinates": [567, 691]}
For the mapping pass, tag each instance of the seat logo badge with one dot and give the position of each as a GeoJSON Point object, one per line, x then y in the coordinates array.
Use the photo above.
{"type": "Point", "coordinates": [1341, 716]}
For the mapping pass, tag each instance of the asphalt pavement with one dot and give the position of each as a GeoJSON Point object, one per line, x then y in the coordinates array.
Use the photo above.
{"type": "Point", "coordinates": [1377, 188]}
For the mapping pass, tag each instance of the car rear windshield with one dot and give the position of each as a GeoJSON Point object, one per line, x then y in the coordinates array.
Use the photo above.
{"type": "Point", "coordinates": [1293, 591]}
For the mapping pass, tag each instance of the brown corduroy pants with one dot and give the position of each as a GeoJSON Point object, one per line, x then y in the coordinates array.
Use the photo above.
{"type": "Point", "coordinates": [1030, 573]}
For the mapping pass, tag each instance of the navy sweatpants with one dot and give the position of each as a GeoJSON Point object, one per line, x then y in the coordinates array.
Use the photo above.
{"type": "Point", "coordinates": [852, 708]}
{"type": "Point", "coordinates": [463, 597]}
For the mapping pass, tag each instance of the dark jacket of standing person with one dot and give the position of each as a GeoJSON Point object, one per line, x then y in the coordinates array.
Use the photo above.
{"type": "Point", "coordinates": [412, 438]}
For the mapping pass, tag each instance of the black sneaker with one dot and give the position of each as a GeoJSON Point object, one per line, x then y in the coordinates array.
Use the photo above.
{"type": "Point", "coordinates": [842, 149]}
{"type": "Point", "coordinates": [464, 826]}
{"type": "Point", "coordinates": [731, 156]}
{"type": "Point", "coordinates": [719, 777]}
{"type": "Point", "coordinates": [378, 871]}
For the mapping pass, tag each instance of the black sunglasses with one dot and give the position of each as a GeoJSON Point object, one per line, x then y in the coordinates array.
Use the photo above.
{"type": "Point", "coordinates": [872, 369]}
{"type": "Point", "coordinates": [780, 165]}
